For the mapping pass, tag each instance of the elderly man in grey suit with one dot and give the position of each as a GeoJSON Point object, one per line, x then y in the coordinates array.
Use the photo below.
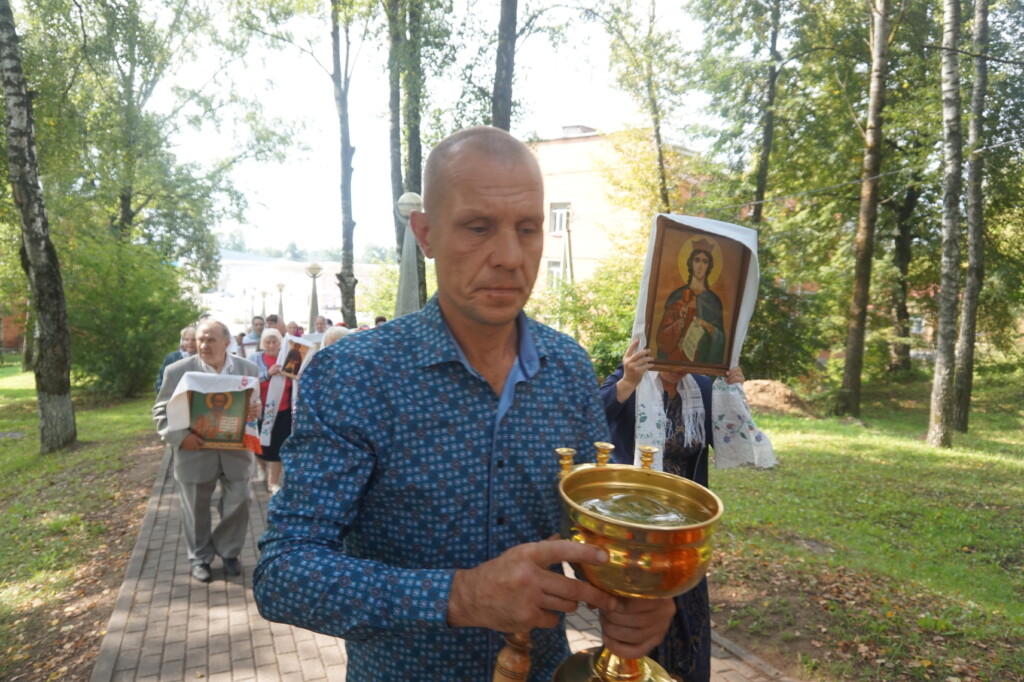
{"type": "Point", "coordinates": [197, 469]}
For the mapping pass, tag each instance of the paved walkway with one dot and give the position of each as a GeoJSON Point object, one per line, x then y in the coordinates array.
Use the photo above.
{"type": "Point", "coordinates": [166, 626]}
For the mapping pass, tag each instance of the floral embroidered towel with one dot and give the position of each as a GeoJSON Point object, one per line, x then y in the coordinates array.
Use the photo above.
{"type": "Point", "coordinates": [737, 439]}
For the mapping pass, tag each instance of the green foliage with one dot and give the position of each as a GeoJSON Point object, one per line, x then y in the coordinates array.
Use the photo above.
{"type": "Point", "coordinates": [125, 308]}
{"type": "Point", "coordinates": [377, 253]}
{"type": "Point", "coordinates": [380, 297]}
{"type": "Point", "coordinates": [111, 95]}
{"type": "Point", "coordinates": [783, 340]}
{"type": "Point", "coordinates": [633, 178]}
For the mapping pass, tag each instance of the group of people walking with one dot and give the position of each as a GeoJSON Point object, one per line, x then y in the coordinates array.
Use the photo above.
{"type": "Point", "coordinates": [416, 514]}
{"type": "Point", "coordinates": [207, 347]}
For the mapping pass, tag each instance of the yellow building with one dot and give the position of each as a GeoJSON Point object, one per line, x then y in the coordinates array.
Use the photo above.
{"type": "Point", "coordinates": [581, 217]}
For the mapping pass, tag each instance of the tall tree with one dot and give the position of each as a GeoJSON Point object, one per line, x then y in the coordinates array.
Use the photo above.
{"type": "Point", "coordinates": [413, 85]}
{"type": "Point", "coordinates": [768, 126]}
{"type": "Point", "coordinates": [501, 100]}
{"type": "Point", "coordinates": [52, 359]}
{"type": "Point", "coordinates": [940, 432]}
{"type": "Point", "coordinates": [394, 12]}
{"type": "Point", "coordinates": [649, 66]}
{"type": "Point", "coordinates": [849, 397]}
{"type": "Point", "coordinates": [964, 371]}
{"type": "Point", "coordinates": [418, 33]}
{"type": "Point", "coordinates": [114, 98]}
{"type": "Point", "coordinates": [343, 15]}
{"type": "Point", "coordinates": [904, 208]}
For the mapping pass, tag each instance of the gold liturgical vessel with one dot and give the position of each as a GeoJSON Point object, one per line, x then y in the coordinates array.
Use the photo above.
{"type": "Point", "coordinates": [656, 528]}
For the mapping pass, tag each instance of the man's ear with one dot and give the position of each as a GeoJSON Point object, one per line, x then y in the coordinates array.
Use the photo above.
{"type": "Point", "coordinates": [420, 224]}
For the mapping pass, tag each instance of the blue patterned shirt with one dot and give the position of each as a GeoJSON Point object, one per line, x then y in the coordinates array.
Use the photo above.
{"type": "Point", "coordinates": [402, 469]}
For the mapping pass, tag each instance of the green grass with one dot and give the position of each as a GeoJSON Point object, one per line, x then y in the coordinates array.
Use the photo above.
{"type": "Point", "coordinates": [48, 503]}
{"type": "Point", "coordinates": [934, 538]}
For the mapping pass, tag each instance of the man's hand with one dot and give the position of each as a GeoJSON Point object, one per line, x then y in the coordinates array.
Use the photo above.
{"type": "Point", "coordinates": [273, 369]}
{"type": "Point", "coordinates": [734, 376]}
{"type": "Point", "coordinates": [516, 591]}
{"type": "Point", "coordinates": [255, 409]}
{"type": "Point", "coordinates": [191, 442]}
{"type": "Point", "coordinates": [636, 626]}
{"type": "Point", "coordinates": [634, 363]}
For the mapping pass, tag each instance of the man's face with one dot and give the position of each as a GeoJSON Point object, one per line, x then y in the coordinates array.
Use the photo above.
{"type": "Point", "coordinates": [188, 341]}
{"type": "Point", "coordinates": [258, 325]}
{"type": "Point", "coordinates": [486, 235]}
{"type": "Point", "coordinates": [213, 344]}
{"type": "Point", "coordinates": [321, 324]}
{"type": "Point", "coordinates": [219, 401]}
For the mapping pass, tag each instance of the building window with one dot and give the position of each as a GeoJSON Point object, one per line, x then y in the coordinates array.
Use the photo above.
{"type": "Point", "coordinates": [555, 272]}
{"type": "Point", "coordinates": [559, 218]}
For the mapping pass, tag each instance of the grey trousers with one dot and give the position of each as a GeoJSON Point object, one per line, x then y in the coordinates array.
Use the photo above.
{"type": "Point", "coordinates": [227, 538]}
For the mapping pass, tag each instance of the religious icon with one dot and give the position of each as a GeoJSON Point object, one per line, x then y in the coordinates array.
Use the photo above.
{"type": "Point", "coordinates": [294, 351]}
{"type": "Point", "coordinates": [695, 286]}
{"type": "Point", "coordinates": [219, 418]}
{"type": "Point", "coordinates": [247, 349]}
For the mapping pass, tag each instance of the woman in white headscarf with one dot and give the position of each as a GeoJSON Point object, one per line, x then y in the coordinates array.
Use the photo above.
{"type": "Point", "coordinates": [276, 394]}
{"type": "Point", "coordinates": [674, 411]}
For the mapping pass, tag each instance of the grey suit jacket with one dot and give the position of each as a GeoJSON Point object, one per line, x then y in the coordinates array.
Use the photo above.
{"type": "Point", "coordinates": [199, 466]}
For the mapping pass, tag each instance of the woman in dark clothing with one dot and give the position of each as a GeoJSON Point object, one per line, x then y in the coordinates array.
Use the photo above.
{"type": "Point", "coordinates": [686, 650]}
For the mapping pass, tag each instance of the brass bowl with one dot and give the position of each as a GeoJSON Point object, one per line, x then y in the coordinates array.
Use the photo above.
{"type": "Point", "coordinates": [648, 561]}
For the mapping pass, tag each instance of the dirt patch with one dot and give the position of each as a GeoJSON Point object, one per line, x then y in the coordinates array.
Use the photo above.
{"type": "Point", "coordinates": [61, 642]}
{"type": "Point", "coordinates": [775, 397]}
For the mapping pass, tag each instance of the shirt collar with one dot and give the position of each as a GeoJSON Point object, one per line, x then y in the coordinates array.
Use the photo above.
{"type": "Point", "coordinates": [209, 369]}
{"type": "Point", "coordinates": [441, 346]}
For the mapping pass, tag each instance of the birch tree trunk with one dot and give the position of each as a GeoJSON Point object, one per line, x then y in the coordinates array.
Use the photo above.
{"type": "Point", "coordinates": [341, 80]}
{"type": "Point", "coordinates": [940, 432]}
{"type": "Point", "coordinates": [964, 376]}
{"type": "Point", "coordinates": [864, 244]}
{"type": "Point", "coordinates": [501, 98]}
{"type": "Point", "coordinates": [52, 339]}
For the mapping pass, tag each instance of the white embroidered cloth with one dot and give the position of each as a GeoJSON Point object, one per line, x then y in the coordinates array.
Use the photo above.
{"type": "Point", "coordinates": [204, 382]}
{"type": "Point", "coordinates": [652, 423]}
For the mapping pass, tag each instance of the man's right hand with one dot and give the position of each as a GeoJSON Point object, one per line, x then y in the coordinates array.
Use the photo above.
{"type": "Point", "coordinates": [517, 591]}
{"type": "Point", "coordinates": [191, 442]}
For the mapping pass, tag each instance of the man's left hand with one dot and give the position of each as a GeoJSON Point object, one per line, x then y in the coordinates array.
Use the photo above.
{"type": "Point", "coordinates": [636, 626]}
{"type": "Point", "coordinates": [255, 409]}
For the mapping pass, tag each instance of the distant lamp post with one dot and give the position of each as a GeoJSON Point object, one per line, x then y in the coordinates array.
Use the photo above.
{"type": "Point", "coordinates": [408, 298]}
{"type": "Point", "coordinates": [280, 302]}
{"type": "Point", "coordinates": [263, 313]}
{"type": "Point", "coordinates": [313, 270]}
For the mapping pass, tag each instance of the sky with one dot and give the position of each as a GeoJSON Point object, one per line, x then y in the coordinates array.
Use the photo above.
{"type": "Point", "coordinates": [299, 200]}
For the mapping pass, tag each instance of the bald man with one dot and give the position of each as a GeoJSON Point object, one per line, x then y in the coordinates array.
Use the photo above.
{"type": "Point", "coordinates": [420, 498]}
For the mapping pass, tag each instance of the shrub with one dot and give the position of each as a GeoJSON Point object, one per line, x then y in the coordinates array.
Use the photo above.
{"type": "Point", "coordinates": [125, 308]}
